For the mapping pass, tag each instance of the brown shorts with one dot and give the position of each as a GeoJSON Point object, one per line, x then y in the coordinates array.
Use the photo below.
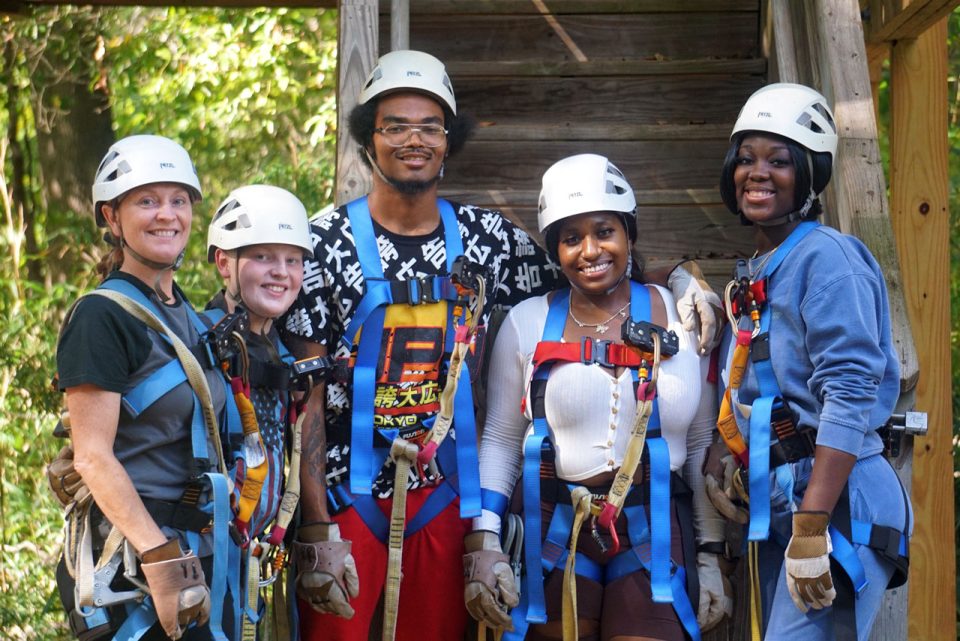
{"type": "Point", "coordinates": [624, 607]}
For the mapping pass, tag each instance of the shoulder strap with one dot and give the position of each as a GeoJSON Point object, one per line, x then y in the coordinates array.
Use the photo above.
{"type": "Point", "coordinates": [189, 362]}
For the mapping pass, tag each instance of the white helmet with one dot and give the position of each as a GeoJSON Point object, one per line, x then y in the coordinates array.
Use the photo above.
{"type": "Point", "coordinates": [411, 70]}
{"type": "Point", "coordinates": [135, 161]}
{"type": "Point", "coordinates": [795, 112]}
{"type": "Point", "coordinates": [259, 214]}
{"type": "Point", "coordinates": [581, 184]}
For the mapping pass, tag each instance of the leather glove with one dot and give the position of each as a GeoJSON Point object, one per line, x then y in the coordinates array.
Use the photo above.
{"type": "Point", "coordinates": [697, 304]}
{"type": "Point", "coordinates": [719, 468]}
{"type": "Point", "coordinates": [326, 571]}
{"type": "Point", "coordinates": [64, 480]}
{"type": "Point", "coordinates": [808, 561]}
{"type": "Point", "coordinates": [716, 600]}
{"type": "Point", "coordinates": [489, 585]}
{"type": "Point", "coordinates": [177, 586]}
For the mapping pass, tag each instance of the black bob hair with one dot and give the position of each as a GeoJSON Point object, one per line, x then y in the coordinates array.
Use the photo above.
{"type": "Point", "coordinates": [822, 170]}
{"type": "Point", "coordinates": [363, 120]}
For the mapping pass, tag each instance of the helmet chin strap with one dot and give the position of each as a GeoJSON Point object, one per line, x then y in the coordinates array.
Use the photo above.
{"type": "Point", "coordinates": [152, 264]}
{"type": "Point", "coordinates": [799, 214]}
{"type": "Point", "coordinates": [623, 276]}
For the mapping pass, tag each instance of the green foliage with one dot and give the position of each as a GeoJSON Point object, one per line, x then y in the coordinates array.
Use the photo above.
{"type": "Point", "coordinates": [249, 93]}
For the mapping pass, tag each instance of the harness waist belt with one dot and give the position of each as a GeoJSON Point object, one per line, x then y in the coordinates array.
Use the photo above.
{"type": "Point", "coordinates": [178, 516]}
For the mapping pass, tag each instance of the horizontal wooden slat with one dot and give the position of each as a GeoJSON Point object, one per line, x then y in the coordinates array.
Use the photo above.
{"type": "Point", "coordinates": [889, 21]}
{"type": "Point", "coordinates": [667, 234]}
{"type": "Point", "coordinates": [651, 165]}
{"type": "Point", "coordinates": [527, 198]}
{"type": "Point", "coordinates": [598, 67]}
{"type": "Point", "coordinates": [644, 100]}
{"type": "Point", "coordinates": [672, 36]}
{"type": "Point", "coordinates": [574, 6]}
{"type": "Point", "coordinates": [489, 130]}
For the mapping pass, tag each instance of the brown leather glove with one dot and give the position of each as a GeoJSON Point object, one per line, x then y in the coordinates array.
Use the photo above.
{"type": "Point", "coordinates": [326, 571]}
{"type": "Point", "coordinates": [489, 586]}
{"type": "Point", "coordinates": [177, 587]}
{"type": "Point", "coordinates": [808, 561]}
{"type": "Point", "coordinates": [64, 480]}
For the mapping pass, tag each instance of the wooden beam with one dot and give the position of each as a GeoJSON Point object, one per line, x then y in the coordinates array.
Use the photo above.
{"type": "Point", "coordinates": [889, 20]}
{"type": "Point", "coordinates": [478, 7]}
{"type": "Point", "coordinates": [919, 185]}
{"type": "Point", "coordinates": [316, 4]}
{"type": "Point", "coordinates": [399, 25]}
{"type": "Point", "coordinates": [859, 201]}
{"type": "Point", "coordinates": [357, 47]}
{"type": "Point", "coordinates": [596, 68]}
{"type": "Point", "coordinates": [784, 50]}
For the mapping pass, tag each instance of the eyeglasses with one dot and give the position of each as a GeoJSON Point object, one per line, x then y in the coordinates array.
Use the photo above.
{"type": "Point", "coordinates": [399, 134]}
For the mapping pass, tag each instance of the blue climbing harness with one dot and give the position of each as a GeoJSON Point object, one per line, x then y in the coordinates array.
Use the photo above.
{"type": "Point", "coordinates": [649, 539]}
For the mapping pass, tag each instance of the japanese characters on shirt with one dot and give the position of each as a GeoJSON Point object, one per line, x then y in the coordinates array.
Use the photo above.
{"type": "Point", "coordinates": [411, 370]}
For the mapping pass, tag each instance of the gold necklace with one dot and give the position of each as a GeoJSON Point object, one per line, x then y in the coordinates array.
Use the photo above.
{"type": "Point", "coordinates": [601, 327]}
{"type": "Point", "coordinates": [754, 271]}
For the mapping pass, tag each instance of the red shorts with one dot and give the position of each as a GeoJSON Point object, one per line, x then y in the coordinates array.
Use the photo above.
{"type": "Point", "coordinates": [431, 592]}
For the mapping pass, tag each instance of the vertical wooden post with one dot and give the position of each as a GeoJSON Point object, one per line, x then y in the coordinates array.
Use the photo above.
{"type": "Point", "coordinates": [918, 195]}
{"type": "Point", "coordinates": [357, 47]}
{"type": "Point", "coordinates": [399, 24]}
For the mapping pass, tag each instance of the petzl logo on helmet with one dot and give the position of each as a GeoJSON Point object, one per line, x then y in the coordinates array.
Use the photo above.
{"type": "Point", "coordinates": [764, 114]}
{"type": "Point", "coordinates": [284, 226]}
{"type": "Point", "coordinates": [167, 165]}
{"type": "Point", "coordinates": [414, 73]}
{"type": "Point", "coordinates": [575, 194]}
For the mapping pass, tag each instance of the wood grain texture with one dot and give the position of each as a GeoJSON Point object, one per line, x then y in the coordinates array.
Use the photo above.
{"type": "Point", "coordinates": [357, 53]}
{"type": "Point", "coordinates": [487, 37]}
{"type": "Point", "coordinates": [607, 67]}
{"type": "Point", "coordinates": [654, 165]}
{"type": "Point", "coordinates": [473, 7]}
{"type": "Point", "coordinates": [903, 19]}
{"type": "Point", "coordinates": [919, 197]}
{"type": "Point", "coordinates": [641, 100]}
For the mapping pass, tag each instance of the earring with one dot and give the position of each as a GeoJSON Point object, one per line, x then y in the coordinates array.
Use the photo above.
{"type": "Point", "coordinates": [442, 165]}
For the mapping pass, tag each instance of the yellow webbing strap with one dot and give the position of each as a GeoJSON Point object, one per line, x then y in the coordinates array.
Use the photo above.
{"type": "Point", "coordinates": [726, 421]}
{"type": "Point", "coordinates": [255, 475]}
{"type": "Point", "coordinates": [482, 632]}
{"type": "Point", "coordinates": [461, 347]}
{"type": "Point", "coordinates": [189, 362]}
{"type": "Point", "coordinates": [756, 633]}
{"type": "Point", "coordinates": [253, 594]}
{"type": "Point", "coordinates": [623, 481]}
{"type": "Point", "coordinates": [582, 501]}
{"type": "Point", "coordinates": [404, 454]}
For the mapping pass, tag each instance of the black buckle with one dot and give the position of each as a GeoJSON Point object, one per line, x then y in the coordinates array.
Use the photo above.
{"type": "Point", "coordinates": [413, 291]}
{"type": "Point", "coordinates": [599, 352]}
{"type": "Point", "coordinates": [886, 540]}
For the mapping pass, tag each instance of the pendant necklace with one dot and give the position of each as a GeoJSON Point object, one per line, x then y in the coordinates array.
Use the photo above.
{"type": "Point", "coordinates": [601, 327]}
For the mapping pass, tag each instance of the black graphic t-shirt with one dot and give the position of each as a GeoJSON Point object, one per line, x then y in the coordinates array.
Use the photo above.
{"type": "Point", "coordinates": [410, 372]}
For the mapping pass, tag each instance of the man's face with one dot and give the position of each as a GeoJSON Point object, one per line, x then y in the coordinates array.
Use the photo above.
{"type": "Point", "coordinates": [413, 167]}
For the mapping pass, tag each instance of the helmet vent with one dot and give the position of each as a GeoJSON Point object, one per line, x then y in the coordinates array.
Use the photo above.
{"type": "Point", "coordinates": [107, 160]}
{"type": "Point", "coordinates": [615, 189]}
{"type": "Point", "coordinates": [823, 111]}
{"type": "Point", "coordinates": [376, 75]}
{"type": "Point", "coordinates": [806, 120]}
{"type": "Point", "coordinates": [122, 168]}
{"type": "Point", "coordinates": [446, 83]}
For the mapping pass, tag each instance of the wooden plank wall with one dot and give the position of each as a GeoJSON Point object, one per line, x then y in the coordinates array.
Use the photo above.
{"type": "Point", "coordinates": [653, 84]}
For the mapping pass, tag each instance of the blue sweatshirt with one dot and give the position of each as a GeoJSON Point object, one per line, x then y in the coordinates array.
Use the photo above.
{"type": "Point", "coordinates": [830, 342]}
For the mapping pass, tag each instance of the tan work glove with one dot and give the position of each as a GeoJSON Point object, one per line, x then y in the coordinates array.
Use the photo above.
{"type": "Point", "coordinates": [808, 561]}
{"type": "Point", "coordinates": [489, 589]}
{"type": "Point", "coordinates": [716, 600]}
{"type": "Point", "coordinates": [698, 306]}
{"type": "Point", "coordinates": [64, 480]}
{"type": "Point", "coordinates": [326, 571]}
{"type": "Point", "coordinates": [719, 470]}
{"type": "Point", "coordinates": [177, 586]}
